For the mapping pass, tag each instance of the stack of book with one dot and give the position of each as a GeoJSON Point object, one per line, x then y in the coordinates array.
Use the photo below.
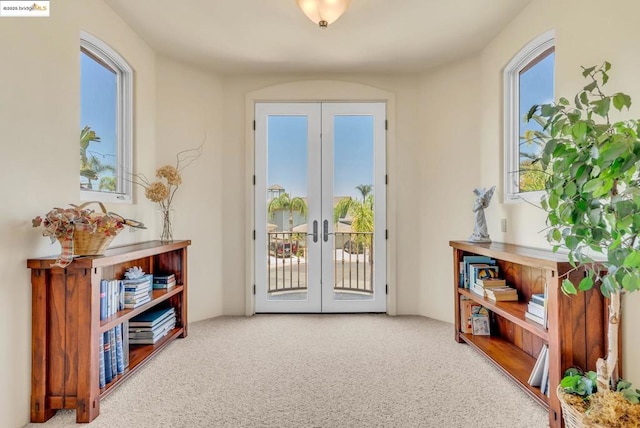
{"type": "Point", "coordinates": [480, 286]}
{"type": "Point", "coordinates": [536, 309]}
{"type": "Point", "coordinates": [164, 281]}
{"type": "Point", "coordinates": [137, 291]}
{"type": "Point", "coordinates": [151, 326]}
{"type": "Point", "coordinates": [502, 294]}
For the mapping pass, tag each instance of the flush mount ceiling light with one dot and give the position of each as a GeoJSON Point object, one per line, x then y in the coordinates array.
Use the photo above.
{"type": "Point", "coordinates": [323, 12]}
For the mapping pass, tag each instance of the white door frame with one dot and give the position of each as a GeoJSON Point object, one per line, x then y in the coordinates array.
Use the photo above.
{"type": "Point", "coordinates": [318, 90]}
{"type": "Point", "coordinates": [320, 295]}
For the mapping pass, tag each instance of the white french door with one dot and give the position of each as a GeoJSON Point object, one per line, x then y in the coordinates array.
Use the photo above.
{"type": "Point", "coordinates": [320, 207]}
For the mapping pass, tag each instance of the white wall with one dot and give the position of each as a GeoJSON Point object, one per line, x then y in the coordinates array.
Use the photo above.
{"type": "Point", "coordinates": [237, 169]}
{"type": "Point", "coordinates": [449, 153]}
{"type": "Point", "coordinates": [588, 32]}
{"type": "Point", "coordinates": [189, 111]}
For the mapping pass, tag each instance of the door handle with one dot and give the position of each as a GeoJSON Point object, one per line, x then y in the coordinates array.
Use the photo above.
{"type": "Point", "coordinates": [315, 231]}
{"type": "Point", "coordinates": [326, 231]}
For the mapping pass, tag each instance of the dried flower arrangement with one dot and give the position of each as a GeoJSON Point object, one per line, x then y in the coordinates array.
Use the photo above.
{"type": "Point", "coordinates": [81, 230]}
{"type": "Point", "coordinates": [163, 190]}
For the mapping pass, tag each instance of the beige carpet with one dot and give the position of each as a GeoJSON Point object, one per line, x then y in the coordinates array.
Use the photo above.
{"type": "Point", "coordinates": [316, 371]}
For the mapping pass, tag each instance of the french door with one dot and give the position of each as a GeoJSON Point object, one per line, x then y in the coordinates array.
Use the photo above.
{"type": "Point", "coordinates": [320, 207]}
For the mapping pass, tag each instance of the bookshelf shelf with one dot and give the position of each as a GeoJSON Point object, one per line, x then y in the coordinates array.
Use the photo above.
{"type": "Point", "coordinates": [510, 359]}
{"type": "Point", "coordinates": [515, 342]}
{"type": "Point", "coordinates": [138, 355]}
{"type": "Point", "coordinates": [512, 311]}
{"type": "Point", "coordinates": [157, 297]}
{"type": "Point", "coordinates": [66, 325]}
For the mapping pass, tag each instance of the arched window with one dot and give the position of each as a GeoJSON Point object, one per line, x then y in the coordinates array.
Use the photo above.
{"type": "Point", "coordinates": [528, 80]}
{"type": "Point", "coordinates": [106, 120]}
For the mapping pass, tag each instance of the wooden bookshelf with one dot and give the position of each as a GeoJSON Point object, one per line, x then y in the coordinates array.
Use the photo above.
{"type": "Point", "coordinates": [576, 325]}
{"type": "Point", "coordinates": [66, 324]}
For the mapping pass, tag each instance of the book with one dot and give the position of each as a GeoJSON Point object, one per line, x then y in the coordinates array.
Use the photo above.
{"type": "Point", "coordinates": [476, 289]}
{"type": "Point", "coordinates": [151, 317]}
{"type": "Point", "coordinates": [125, 342]}
{"type": "Point", "coordinates": [119, 349]}
{"type": "Point", "coordinates": [128, 295]}
{"type": "Point", "coordinates": [145, 332]}
{"type": "Point", "coordinates": [114, 364]}
{"type": "Point", "coordinates": [115, 296]}
{"type": "Point", "coordinates": [103, 299]}
{"type": "Point", "coordinates": [107, 358]}
{"type": "Point", "coordinates": [481, 271]}
{"type": "Point", "coordinates": [466, 309]}
{"type": "Point", "coordinates": [152, 336]}
{"type": "Point", "coordinates": [467, 260]}
{"type": "Point", "coordinates": [491, 282]}
{"type": "Point", "coordinates": [164, 279]}
{"type": "Point", "coordinates": [535, 378]}
{"type": "Point", "coordinates": [147, 278]}
{"type": "Point", "coordinates": [164, 285]}
{"type": "Point", "coordinates": [534, 318]}
{"type": "Point", "coordinates": [536, 309]}
{"type": "Point", "coordinates": [538, 299]}
{"type": "Point", "coordinates": [502, 294]}
{"type": "Point", "coordinates": [139, 302]}
{"type": "Point", "coordinates": [480, 324]}
{"type": "Point", "coordinates": [544, 382]}
{"type": "Point", "coordinates": [101, 377]}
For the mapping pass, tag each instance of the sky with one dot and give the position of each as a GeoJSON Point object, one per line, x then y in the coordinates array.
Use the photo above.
{"type": "Point", "coordinates": [288, 152]}
{"type": "Point", "coordinates": [98, 108]}
{"type": "Point", "coordinates": [536, 87]}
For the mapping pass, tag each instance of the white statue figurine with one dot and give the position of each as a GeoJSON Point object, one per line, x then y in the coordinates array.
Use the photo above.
{"type": "Point", "coordinates": [480, 233]}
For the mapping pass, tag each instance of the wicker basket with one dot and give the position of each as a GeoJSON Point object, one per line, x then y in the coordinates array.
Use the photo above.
{"type": "Point", "coordinates": [572, 417]}
{"type": "Point", "coordinates": [91, 244]}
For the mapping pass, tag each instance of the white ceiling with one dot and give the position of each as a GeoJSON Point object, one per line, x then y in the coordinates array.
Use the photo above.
{"type": "Point", "coordinates": [264, 36]}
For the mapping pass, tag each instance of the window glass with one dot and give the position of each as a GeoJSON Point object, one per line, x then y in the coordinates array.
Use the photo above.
{"type": "Point", "coordinates": [528, 80]}
{"type": "Point", "coordinates": [98, 125]}
{"type": "Point", "coordinates": [536, 87]}
{"type": "Point", "coordinates": [106, 105]}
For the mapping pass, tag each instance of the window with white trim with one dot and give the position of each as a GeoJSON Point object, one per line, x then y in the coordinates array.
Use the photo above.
{"type": "Point", "coordinates": [528, 80]}
{"type": "Point", "coordinates": [106, 116]}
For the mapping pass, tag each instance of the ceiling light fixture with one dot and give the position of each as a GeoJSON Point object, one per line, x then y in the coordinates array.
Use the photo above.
{"type": "Point", "coordinates": [323, 12]}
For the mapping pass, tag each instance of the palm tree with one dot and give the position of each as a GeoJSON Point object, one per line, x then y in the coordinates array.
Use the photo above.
{"type": "Point", "coordinates": [286, 203]}
{"type": "Point", "coordinates": [90, 166]}
{"type": "Point", "coordinates": [361, 213]}
{"type": "Point", "coordinates": [365, 189]}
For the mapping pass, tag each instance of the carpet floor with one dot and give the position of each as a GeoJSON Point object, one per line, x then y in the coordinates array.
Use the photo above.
{"type": "Point", "coordinates": [316, 371]}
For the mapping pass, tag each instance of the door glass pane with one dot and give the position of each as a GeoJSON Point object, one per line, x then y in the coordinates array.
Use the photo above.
{"type": "Point", "coordinates": [287, 196]}
{"type": "Point", "coordinates": [353, 198]}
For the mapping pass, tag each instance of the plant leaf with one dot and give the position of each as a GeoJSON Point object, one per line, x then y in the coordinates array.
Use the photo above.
{"type": "Point", "coordinates": [586, 283]}
{"type": "Point", "coordinates": [601, 107]}
{"type": "Point", "coordinates": [587, 71]}
{"type": "Point", "coordinates": [568, 287]}
{"type": "Point", "coordinates": [633, 259]}
{"type": "Point", "coordinates": [591, 86]}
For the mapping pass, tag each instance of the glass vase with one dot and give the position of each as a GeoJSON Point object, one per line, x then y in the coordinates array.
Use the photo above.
{"type": "Point", "coordinates": [166, 224]}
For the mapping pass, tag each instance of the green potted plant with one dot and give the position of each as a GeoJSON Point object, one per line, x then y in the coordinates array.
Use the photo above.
{"type": "Point", "coordinates": [592, 199]}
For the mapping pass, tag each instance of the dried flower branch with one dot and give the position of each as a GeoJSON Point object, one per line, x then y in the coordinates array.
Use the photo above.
{"type": "Point", "coordinates": [163, 190]}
